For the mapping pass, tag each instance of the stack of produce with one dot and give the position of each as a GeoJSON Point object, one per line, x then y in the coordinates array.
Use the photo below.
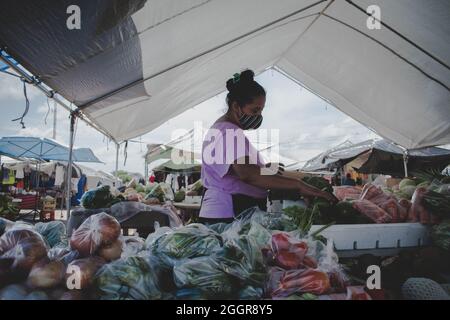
{"type": "Point", "coordinates": [8, 209]}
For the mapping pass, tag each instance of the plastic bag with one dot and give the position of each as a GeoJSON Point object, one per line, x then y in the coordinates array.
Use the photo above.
{"type": "Point", "coordinates": [190, 241]}
{"type": "Point", "coordinates": [127, 279]}
{"type": "Point", "coordinates": [81, 272]}
{"type": "Point", "coordinates": [54, 232]}
{"type": "Point", "coordinates": [285, 283]}
{"type": "Point", "coordinates": [288, 252]}
{"type": "Point", "coordinates": [372, 211]}
{"type": "Point", "coordinates": [96, 231]}
{"type": "Point", "coordinates": [251, 293]}
{"type": "Point", "coordinates": [206, 275]}
{"type": "Point", "coordinates": [97, 198]}
{"type": "Point", "coordinates": [242, 258]}
{"type": "Point", "coordinates": [347, 193]}
{"type": "Point", "coordinates": [5, 225]}
{"type": "Point", "coordinates": [25, 246]}
{"type": "Point", "coordinates": [132, 246]}
{"type": "Point", "coordinates": [441, 235]}
{"type": "Point", "coordinates": [123, 211]}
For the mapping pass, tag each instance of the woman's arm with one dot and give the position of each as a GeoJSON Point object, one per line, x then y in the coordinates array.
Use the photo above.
{"type": "Point", "coordinates": [251, 174]}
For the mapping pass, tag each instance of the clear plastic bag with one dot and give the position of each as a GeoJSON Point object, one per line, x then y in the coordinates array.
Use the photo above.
{"type": "Point", "coordinates": [242, 258]}
{"type": "Point", "coordinates": [123, 211]}
{"type": "Point", "coordinates": [54, 232]}
{"type": "Point", "coordinates": [132, 246]}
{"type": "Point", "coordinates": [190, 241]}
{"type": "Point", "coordinates": [98, 230]}
{"type": "Point", "coordinates": [25, 246]}
{"type": "Point", "coordinates": [127, 279]}
{"type": "Point", "coordinates": [285, 283]}
{"type": "Point", "coordinates": [5, 225]}
{"type": "Point", "coordinates": [206, 275]}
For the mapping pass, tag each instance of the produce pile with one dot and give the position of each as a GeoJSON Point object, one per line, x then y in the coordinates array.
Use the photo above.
{"type": "Point", "coordinates": [418, 200]}
{"type": "Point", "coordinates": [8, 209]}
{"type": "Point", "coordinates": [257, 257]}
{"type": "Point", "coordinates": [156, 193]}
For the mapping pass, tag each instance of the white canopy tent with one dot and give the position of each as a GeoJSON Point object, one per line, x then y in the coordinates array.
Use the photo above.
{"type": "Point", "coordinates": [136, 64]}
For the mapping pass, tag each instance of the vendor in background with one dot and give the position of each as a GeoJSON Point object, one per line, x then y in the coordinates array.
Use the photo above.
{"type": "Point", "coordinates": [236, 183]}
{"type": "Point", "coordinates": [348, 180]}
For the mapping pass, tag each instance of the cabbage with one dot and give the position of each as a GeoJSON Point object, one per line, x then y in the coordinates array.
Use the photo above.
{"type": "Point", "coordinates": [406, 182]}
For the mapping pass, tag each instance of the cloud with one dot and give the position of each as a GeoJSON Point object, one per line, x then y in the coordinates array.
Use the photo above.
{"type": "Point", "coordinates": [12, 88]}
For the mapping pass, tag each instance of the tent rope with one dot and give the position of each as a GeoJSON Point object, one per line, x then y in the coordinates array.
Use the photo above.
{"type": "Point", "coordinates": [27, 104]}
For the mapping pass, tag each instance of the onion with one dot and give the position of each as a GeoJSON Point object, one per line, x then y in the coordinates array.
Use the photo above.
{"type": "Point", "coordinates": [98, 230]}
{"type": "Point", "coordinates": [111, 252]}
{"type": "Point", "coordinates": [87, 267]}
{"type": "Point", "coordinates": [46, 274]}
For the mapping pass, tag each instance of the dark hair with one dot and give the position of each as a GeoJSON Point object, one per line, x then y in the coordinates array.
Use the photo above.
{"type": "Point", "coordinates": [349, 175]}
{"type": "Point", "coordinates": [243, 89]}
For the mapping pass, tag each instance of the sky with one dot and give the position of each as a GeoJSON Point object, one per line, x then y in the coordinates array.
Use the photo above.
{"type": "Point", "coordinates": [307, 124]}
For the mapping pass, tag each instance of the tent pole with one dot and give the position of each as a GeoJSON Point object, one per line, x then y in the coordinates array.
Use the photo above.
{"type": "Point", "coordinates": [145, 171]}
{"type": "Point", "coordinates": [405, 162]}
{"type": "Point", "coordinates": [117, 160]}
{"type": "Point", "coordinates": [73, 116]}
{"type": "Point", "coordinates": [54, 121]}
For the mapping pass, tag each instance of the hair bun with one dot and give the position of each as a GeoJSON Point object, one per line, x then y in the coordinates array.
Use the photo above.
{"type": "Point", "coordinates": [230, 84]}
{"type": "Point", "coordinates": [247, 75]}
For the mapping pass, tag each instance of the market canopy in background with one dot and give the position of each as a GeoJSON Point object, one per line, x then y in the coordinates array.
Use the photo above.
{"type": "Point", "coordinates": [134, 64]}
{"type": "Point", "coordinates": [42, 149]}
{"type": "Point", "coordinates": [379, 156]}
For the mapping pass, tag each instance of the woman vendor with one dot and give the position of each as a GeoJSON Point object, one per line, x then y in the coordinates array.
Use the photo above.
{"type": "Point", "coordinates": [232, 169]}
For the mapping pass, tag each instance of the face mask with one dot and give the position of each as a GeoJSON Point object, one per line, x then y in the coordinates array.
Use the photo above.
{"type": "Point", "coordinates": [250, 121]}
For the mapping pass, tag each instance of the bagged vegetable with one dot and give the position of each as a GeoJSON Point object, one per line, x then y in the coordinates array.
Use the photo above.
{"type": "Point", "coordinates": [190, 241]}
{"type": "Point", "coordinates": [132, 246]}
{"type": "Point", "coordinates": [81, 272]}
{"type": "Point", "coordinates": [441, 235]}
{"type": "Point", "coordinates": [285, 283]}
{"type": "Point", "coordinates": [288, 253]}
{"type": "Point", "coordinates": [97, 198]}
{"type": "Point", "coordinates": [111, 251]}
{"type": "Point", "coordinates": [13, 292]}
{"type": "Point", "coordinates": [372, 211]}
{"type": "Point", "coordinates": [25, 246]}
{"type": "Point", "coordinates": [156, 192]}
{"type": "Point", "coordinates": [251, 293]}
{"type": "Point", "coordinates": [5, 225]}
{"type": "Point", "coordinates": [54, 232]}
{"type": "Point", "coordinates": [345, 213]}
{"type": "Point", "coordinates": [206, 275]}
{"type": "Point", "coordinates": [417, 211]}
{"type": "Point", "coordinates": [242, 258]}
{"type": "Point", "coordinates": [46, 274]}
{"type": "Point", "coordinates": [98, 230]}
{"type": "Point", "coordinates": [128, 279]}
{"type": "Point", "coordinates": [347, 193]}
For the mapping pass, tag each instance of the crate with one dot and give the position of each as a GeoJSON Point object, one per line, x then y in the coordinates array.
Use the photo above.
{"type": "Point", "coordinates": [193, 199]}
{"type": "Point", "coordinates": [377, 236]}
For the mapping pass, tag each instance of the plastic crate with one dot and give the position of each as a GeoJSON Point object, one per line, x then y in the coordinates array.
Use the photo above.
{"type": "Point", "coordinates": [377, 236]}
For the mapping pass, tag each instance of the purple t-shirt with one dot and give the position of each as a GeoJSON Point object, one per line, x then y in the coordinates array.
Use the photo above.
{"type": "Point", "coordinates": [225, 143]}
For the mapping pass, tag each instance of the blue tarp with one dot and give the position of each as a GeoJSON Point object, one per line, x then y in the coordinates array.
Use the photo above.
{"type": "Point", "coordinates": [43, 149]}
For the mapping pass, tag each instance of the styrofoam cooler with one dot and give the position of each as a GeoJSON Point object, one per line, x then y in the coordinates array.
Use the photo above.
{"type": "Point", "coordinates": [377, 236]}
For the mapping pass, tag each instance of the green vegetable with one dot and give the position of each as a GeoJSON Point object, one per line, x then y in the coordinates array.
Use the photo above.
{"type": "Point", "coordinates": [437, 203]}
{"type": "Point", "coordinates": [140, 188]}
{"type": "Point", "coordinates": [441, 235]}
{"type": "Point", "coordinates": [206, 275]}
{"type": "Point", "coordinates": [319, 183]}
{"type": "Point", "coordinates": [8, 209]}
{"type": "Point", "coordinates": [303, 217]}
{"type": "Point", "coordinates": [408, 191]}
{"type": "Point", "coordinates": [54, 232]}
{"type": "Point", "coordinates": [406, 182]}
{"type": "Point", "coordinates": [346, 214]}
{"type": "Point", "coordinates": [156, 192]}
{"type": "Point", "coordinates": [127, 279]}
{"type": "Point", "coordinates": [190, 241]}
{"type": "Point", "coordinates": [179, 196]}
{"type": "Point", "coordinates": [97, 198]}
